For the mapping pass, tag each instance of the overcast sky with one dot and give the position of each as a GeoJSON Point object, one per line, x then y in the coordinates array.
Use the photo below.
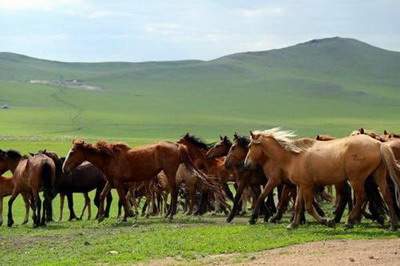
{"type": "Point", "coordinates": [113, 30]}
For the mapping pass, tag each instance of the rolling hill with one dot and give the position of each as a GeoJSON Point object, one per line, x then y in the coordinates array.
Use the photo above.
{"type": "Point", "coordinates": [321, 86]}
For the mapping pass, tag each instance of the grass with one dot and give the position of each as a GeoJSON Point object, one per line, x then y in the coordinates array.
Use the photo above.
{"type": "Point", "coordinates": [185, 238]}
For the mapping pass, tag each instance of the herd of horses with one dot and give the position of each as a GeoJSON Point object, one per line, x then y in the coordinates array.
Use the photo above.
{"type": "Point", "coordinates": [196, 177]}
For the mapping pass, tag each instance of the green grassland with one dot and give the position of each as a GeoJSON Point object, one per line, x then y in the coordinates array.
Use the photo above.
{"type": "Point", "coordinates": [186, 238]}
{"type": "Point", "coordinates": [329, 86]}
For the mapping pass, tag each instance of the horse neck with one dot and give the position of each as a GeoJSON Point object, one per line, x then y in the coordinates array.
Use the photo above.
{"type": "Point", "coordinates": [277, 153]}
{"type": "Point", "coordinates": [99, 161]}
{"type": "Point", "coordinates": [12, 165]}
{"type": "Point", "coordinates": [197, 153]}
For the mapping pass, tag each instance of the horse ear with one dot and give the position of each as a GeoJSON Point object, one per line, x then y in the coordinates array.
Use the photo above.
{"type": "Point", "coordinates": [221, 138]}
{"type": "Point", "coordinates": [44, 151]}
{"type": "Point", "coordinates": [253, 136]}
{"type": "Point", "coordinates": [385, 132]}
{"type": "Point", "coordinates": [318, 137]}
{"type": "Point", "coordinates": [362, 131]}
{"type": "Point", "coordinates": [31, 154]}
{"type": "Point", "coordinates": [236, 135]}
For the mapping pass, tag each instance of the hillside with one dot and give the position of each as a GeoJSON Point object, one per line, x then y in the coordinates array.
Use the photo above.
{"type": "Point", "coordinates": [322, 86]}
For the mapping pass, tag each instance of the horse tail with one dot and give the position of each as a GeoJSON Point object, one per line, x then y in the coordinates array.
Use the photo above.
{"type": "Point", "coordinates": [204, 180]}
{"type": "Point", "coordinates": [48, 178]}
{"type": "Point", "coordinates": [393, 167]}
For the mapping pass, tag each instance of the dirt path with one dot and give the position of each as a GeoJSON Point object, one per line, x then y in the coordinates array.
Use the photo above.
{"type": "Point", "coordinates": [333, 252]}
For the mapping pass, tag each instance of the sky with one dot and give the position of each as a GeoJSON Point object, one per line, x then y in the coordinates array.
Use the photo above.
{"type": "Point", "coordinates": [88, 30]}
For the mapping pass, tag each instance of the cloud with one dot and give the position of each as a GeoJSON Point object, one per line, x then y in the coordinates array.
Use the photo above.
{"type": "Point", "coordinates": [165, 29]}
{"type": "Point", "coordinates": [260, 12]}
{"type": "Point", "coordinates": [41, 5]}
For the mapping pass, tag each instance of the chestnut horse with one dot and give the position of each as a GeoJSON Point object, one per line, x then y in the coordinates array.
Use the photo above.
{"type": "Point", "coordinates": [122, 164]}
{"type": "Point", "coordinates": [31, 174]}
{"type": "Point", "coordinates": [329, 162]}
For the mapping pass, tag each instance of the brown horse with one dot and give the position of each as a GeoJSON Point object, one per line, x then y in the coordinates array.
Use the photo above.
{"type": "Point", "coordinates": [31, 174]}
{"type": "Point", "coordinates": [211, 166]}
{"type": "Point", "coordinates": [6, 189]}
{"type": "Point", "coordinates": [329, 162]}
{"type": "Point", "coordinates": [122, 164]}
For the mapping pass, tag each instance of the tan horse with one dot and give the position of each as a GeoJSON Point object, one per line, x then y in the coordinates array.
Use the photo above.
{"type": "Point", "coordinates": [122, 164]}
{"type": "Point", "coordinates": [329, 162]}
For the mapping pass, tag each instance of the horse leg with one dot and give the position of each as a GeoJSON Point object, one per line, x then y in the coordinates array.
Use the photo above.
{"type": "Point", "coordinates": [108, 205]}
{"type": "Point", "coordinates": [380, 179]}
{"type": "Point", "coordinates": [10, 221]}
{"type": "Point", "coordinates": [62, 198]}
{"type": "Point", "coordinates": [343, 197]}
{"type": "Point", "coordinates": [282, 204]}
{"type": "Point", "coordinates": [236, 201]}
{"type": "Point", "coordinates": [27, 207]}
{"type": "Point", "coordinates": [227, 191]}
{"type": "Point", "coordinates": [297, 210]}
{"type": "Point", "coordinates": [70, 200]}
{"type": "Point", "coordinates": [103, 194]}
{"type": "Point", "coordinates": [122, 196]}
{"type": "Point", "coordinates": [271, 184]}
{"type": "Point", "coordinates": [359, 193]}
{"type": "Point", "coordinates": [308, 196]}
{"type": "Point", "coordinates": [1, 211]}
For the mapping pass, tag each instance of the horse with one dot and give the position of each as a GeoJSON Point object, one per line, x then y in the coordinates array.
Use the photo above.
{"type": "Point", "coordinates": [213, 167]}
{"type": "Point", "coordinates": [307, 165]}
{"type": "Point", "coordinates": [6, 189]}
{"type": "Point", "coordinates": [247, 179]}
{"type": "Point", "coordinates": [122, 164]}
{"type": "Point", "coordinates": [31, 174]}
{"type": "Point", "coordinates": [83, 179]}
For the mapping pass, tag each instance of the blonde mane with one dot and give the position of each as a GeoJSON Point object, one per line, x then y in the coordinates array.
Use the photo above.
{"type": "Point", "coordinates": [286, 139]}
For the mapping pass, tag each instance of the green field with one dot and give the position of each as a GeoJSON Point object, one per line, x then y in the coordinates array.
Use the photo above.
{"type": "Point", "coordinates": [187, 239]}
{"type": "Point", "coordinates": [330, 86]}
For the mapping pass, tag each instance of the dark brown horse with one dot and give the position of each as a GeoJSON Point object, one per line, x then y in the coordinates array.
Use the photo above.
{"type": "Point", "coordinates": [122, 164]}
{"type": "Point", "coordinates": [31, 174]}
{"type": "Point", "coordinates": [83, 179]}
{"type": "Point", "coordinates": [247, 178]}
{"type": "Point", "coordinates": [211, 166]}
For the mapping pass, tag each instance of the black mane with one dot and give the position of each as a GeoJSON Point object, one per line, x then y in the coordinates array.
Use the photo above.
{"type": "Point", "coordinates": [13, 154]}
{"type": "Point", "coordinates": [242, 141]}
{"type": "Point", "coordinates": [197, 141]}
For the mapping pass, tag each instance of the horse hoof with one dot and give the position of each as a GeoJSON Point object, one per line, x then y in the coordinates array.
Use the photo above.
{"type": "Point", "coordinates": [229, 219]}
{"type": "Point", "coordinates": [101, 218]}
{"type": "Point", "coordinates": [292, 226]}
{"type": "Point", "coordinates": [10, 223]}
{"type": "Point", "coordinates": [349, 226]}
{"type": "Point", "coordinates": [252, 221]}
{"type": "Point", "coordinates": [24, 222]}
{"type": "Point", "coordinates": [331, 223]}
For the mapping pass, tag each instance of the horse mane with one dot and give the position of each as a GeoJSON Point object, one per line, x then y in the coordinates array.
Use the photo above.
{"type": "Point", "coordinates": [196, 141]}
{"type": "Point", "coordinates": [285, 139]}
{"type": "Point", "coordinates": [111, 148]}
{"type": "Point", "coordinates": [242, 141]}
{"type": "Point", "coordinates": [14, 155]}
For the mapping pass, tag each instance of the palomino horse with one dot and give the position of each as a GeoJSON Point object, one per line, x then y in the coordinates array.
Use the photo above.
{"type": "Point", "coordinates": [30, 175]}
{"type": "Point", "coordinates": [329, 162]}
{"type": "Point", "coordinates": [122, 164]}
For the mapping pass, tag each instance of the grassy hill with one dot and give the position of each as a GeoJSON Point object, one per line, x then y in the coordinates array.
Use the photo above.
{"type": "Point", "coordinates": [322, 86]}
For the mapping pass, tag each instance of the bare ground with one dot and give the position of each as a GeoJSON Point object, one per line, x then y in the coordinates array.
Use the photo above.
{"type": "Point", "coordinates": [332, 252]}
